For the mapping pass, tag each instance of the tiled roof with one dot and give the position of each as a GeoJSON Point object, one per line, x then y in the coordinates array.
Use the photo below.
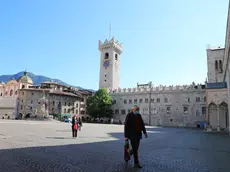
{"type": "Point", "coordinates": [63, 93]}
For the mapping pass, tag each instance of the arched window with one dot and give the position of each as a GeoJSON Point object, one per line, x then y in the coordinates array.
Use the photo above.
{"type": "Point", "coordinates": [106, 55]}
{"type": "Point", "coordinates": [1, 94]}
{"type": "Point", "coordinates": [16, 92]}
{"type": "Point", "coordinates": [216, 64]}
{"type": "Point", "coordinates": [220, 65]}
{"type": "Point", "coordinates": [165, 99]}
{"type": "Point", "coordinates": [116, 57]}
{"type": "Point", "coordinates": [11, 92]}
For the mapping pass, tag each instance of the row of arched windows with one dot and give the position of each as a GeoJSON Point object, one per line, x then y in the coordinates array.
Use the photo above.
{"type": "Point", "coordinates": [11, 93]}
{"type": "Point", "coordinates": [107, 56]}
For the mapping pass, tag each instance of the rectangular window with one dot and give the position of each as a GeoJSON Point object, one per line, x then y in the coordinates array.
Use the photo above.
{"type": "Point", "coordinates": [203, 110]}
{"type": "Point", "coordinates": [197, 99]}
{"type": "Point", "coordinates": [145, 111]}
{"type": "Point", "coordinates": [154, 111]}
{"type": "Point", "coordinates": [125, 101]}
{"type": "Point", "coordinates": [116, 111]}
{"type": "Point", "coordinates": [146, 100]}
{"type": "Point", "coordinates": [185, 110]}
{"type": "Point", "coordinates": [130, 101]}
{"type": "Point", "coordinates": [188, 99]}
{"type": "Point", "coordinates": [135, 101]}
{"type": "Point", "coordinates": [152, 100]}
{"type": "Point", "coordinates": [123, 111]}
{"type": "Point", "coordinates": [168, 110]}
{"type": "Point", "coordinates": [158, 100]}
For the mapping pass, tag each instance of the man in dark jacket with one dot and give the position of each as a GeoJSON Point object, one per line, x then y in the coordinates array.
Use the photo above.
{"type": "Point", "coordinates": [134, 126]}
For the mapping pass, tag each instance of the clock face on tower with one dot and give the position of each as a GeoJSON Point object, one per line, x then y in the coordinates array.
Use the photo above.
{"type": "Point", "coordinates": [106, 63]}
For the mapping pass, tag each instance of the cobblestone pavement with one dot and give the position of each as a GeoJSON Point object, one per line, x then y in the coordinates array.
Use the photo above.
{"type": "Point", "coordinates": [49, 147]}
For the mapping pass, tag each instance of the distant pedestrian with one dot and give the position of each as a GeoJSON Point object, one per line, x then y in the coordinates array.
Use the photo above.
{"type": "Point", "coordinates": [134, 126]}
{"type": "Point", "coordinates": [80, 123]}
{"type": "Point", "coordinates": [74, 126]}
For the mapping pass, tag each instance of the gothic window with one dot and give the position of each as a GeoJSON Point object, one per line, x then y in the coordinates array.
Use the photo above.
{"type": "Point", "coordinates": [152, 100]}
{"type": "Point", "coordinates": [185, 110]}
{"type": "Point", "coordinates": [135, 101]}
{"type": "Point", "coordinates": [11, 92]}
{"type": "Point", "coordinates": [158, 100]}
{"type": "Point", "coordinates": [145, 111]}
{"type": "Point", "coordinates": [203, 110]}
{"type": "Point", "coordinates": [165, 99]}
{"type": "Point", "coordinates": [130, 101]}
{"type": "Point", "coordinates": [116, 57]}
{"type": "Point", "coordinates": [123, 111]}
{"type": "Point", "coordinates": [116, 111]}
{"type": "Point", "coordinates": [141, 100]}
{"type": "Point", "coordinates": [146, 100]}
{"type": "Point", "coordinates": [106, 55]}
{"type": "Point", "coordinates": [69, 104]}
{"type": "Point", "coordinates": [197, 99]}
{"type": "Point", "coordinates": [168, 110]}
{"type": "Point", "coordinates": [220, 65]}
{"type": "Point", "coordinates": [216, 64]}
{"type": "Point", "coordinates": [125, 101]}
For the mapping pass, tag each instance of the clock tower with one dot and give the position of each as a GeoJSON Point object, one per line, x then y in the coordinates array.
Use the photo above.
{"type": "Point", "coordinates": [110, 64]}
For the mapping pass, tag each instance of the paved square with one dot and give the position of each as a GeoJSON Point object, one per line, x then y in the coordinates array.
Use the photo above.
{"type": "Point", "coordinates": [49, 147]}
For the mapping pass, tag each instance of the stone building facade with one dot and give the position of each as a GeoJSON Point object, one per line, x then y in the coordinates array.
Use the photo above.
{"type": "Point", "coordinates": [164, 106]}
{"type": "Point", "coordinates": [9, 96]}
{"type": "Point", "coordinates": [21, 99]}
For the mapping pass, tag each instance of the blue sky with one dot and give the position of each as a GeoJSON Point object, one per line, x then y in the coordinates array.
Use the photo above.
{"type": "Point", "coordinates": [164, 40]}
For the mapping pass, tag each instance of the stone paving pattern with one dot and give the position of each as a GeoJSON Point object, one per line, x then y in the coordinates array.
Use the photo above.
{"type": "Point", "coordinates": [49, 147]}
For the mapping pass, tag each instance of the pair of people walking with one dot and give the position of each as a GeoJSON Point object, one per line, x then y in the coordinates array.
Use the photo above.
{"type": "Point", "coordinates": [134, 126]}
{"type": "Point", "coordinates": [76, 125]}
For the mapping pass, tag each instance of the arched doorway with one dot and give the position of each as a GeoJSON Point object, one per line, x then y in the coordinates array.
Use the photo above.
{"type": "Point", "coordinates": [212, 115]}
{"type": "Point", "coordinates": [223, 112]}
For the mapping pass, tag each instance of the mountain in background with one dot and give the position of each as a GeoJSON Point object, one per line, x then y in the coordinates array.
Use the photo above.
{"type": "Point", "coordinates": [37, 79]}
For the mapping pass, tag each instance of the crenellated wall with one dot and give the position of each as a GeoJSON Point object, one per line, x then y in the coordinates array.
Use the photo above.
{"type": "Point", "coordinates": [158, 88]}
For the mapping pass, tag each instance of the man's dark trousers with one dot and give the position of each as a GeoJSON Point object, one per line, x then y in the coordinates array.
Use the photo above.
{"type": "Point", "coordinates": [135, 146]}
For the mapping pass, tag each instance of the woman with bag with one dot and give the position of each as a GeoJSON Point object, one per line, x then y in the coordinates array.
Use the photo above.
{"type": "Point", "coordinates": [74, 127]}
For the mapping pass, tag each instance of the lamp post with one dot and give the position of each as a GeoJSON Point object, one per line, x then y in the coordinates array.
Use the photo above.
{"type": "Point", "coordinates": [150, 95]}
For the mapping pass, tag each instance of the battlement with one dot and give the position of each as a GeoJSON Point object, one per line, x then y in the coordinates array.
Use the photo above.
{"type": "Point", "coordinates": [220, 47]}
{"type": "Point", "coordinates": [110, 43]}
{"type": "Point", "coordinates": [159, 88]}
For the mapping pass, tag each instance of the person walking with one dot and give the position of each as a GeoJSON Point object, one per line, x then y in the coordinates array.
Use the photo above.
{"type": "Point", "coordinates": [80, 123]}
{"type": "Point", "coordinates": [74, 126]}
{"type": "Point", "coordinates": [133, 128]}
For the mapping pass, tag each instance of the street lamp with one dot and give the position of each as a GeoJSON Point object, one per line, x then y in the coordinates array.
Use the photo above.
{"type": "Point", "coordinates": [150, 95]}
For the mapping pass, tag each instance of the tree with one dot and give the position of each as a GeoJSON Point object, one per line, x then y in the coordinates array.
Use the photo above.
{"type": "Point", "coordinates": [100, 104]}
